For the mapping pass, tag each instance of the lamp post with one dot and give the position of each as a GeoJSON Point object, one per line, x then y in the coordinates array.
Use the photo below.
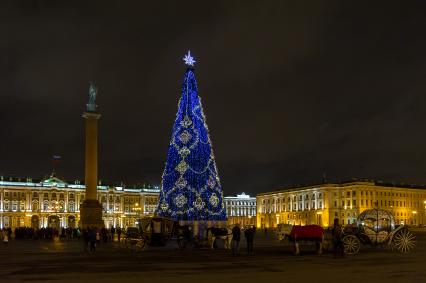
{"type": "Point", "coordinates": [414, 217]}
{"type": "Point", "coordinates": [137, 209]}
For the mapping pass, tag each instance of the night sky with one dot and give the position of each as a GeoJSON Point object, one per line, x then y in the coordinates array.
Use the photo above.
{"type": "Point", "coordinates": [292, 90]}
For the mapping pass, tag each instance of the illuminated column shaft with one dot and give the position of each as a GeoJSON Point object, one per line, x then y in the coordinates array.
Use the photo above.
{"type": "Point", "coordinates": [91, 168]}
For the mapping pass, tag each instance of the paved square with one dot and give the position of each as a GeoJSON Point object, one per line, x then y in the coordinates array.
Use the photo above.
{"type": "Point", "coordinates": [62, 261]}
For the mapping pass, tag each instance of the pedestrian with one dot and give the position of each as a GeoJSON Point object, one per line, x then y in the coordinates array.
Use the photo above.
{"type": "Point", "coordinates": [92, 240]}
{"type": "Point", "coordinates": [119, 234]}
{"type": "Point", "coordinates": [5, 237]}
{"type": "Point", "coordinates": [236, 236]}
{"type": "Point", "coordinates": [112, 231]}
{"type": "Point", "coordinates": [86, 238]}
{"type": "Point", "coordinates": [98, 235]}
{"type": "Point", "coordinates": [336, 233]}
{"type": "Point", "coordinates": [249, 234]}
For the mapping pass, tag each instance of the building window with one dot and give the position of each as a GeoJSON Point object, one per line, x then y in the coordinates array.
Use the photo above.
{"type": "Point", "coordinates": [6, 206]}
{"type": "Point", "coordinates": [335, 203]}
{"type": "Point", "coordinates": [354, 202]}
{"type": "Point", "coordinates": [71, 207]}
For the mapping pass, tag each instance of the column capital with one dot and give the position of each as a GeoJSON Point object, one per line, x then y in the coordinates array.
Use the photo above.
{"type": "Point", "coordinates": [91, 115]}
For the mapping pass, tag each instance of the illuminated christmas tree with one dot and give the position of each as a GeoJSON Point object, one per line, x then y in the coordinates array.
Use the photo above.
{"type": "Point", "coordinates": [190, 189]}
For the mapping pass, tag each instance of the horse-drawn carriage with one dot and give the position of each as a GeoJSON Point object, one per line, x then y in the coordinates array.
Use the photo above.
{"type": "Point", "coordinates": [151, 231]}
{"type": "Point", "coordinates": [376, 227]}
{"type": "Point", "coordinates": [157, 231]}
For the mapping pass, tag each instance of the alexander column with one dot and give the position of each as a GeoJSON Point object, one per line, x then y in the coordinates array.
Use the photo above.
{"type": "Point", "coordinates": [91, 209]}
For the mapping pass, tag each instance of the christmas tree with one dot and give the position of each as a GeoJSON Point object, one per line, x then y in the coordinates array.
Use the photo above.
{"type": "Point", "coordinates": [190, 189]}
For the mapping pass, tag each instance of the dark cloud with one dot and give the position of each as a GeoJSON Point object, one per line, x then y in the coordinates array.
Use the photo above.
{"type": "Point", "coordinates": [292, 90]}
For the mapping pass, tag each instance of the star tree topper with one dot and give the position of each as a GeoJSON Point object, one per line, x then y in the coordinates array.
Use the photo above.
{"type": "Point", "coordinates": [189, 60]}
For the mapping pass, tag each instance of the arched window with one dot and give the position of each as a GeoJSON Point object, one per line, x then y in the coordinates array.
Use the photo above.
{"type": "Point", "coordinates": [45, 206]}
{"type": "Point", "coordinates": [71, 207]}
{"type": "Point", "coordinates": [35, 206]}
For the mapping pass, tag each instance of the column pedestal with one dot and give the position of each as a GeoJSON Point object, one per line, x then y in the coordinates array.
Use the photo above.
{"type": "Point", "coordinates": [91, 214]}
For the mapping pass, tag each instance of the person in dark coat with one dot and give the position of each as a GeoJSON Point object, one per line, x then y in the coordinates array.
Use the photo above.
{"type": "Point", "coordinates": [92, 240]}
{"type": "Point", "coordinates": [249, 234]}
{"type": "Point", "coordinates": [119, 234]}
{"type": "Point", "coordinates": [236, 236]}
{"type": "Point", "coordinates": [336, 233]}
{"type": "Point", "coordinates": [86, 239]}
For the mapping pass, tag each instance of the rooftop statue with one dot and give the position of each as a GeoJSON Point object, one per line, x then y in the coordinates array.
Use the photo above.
{"type": "Point", "coordinates": [93, 90]}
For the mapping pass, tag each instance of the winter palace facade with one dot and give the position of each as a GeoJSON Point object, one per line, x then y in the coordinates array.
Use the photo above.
{"type": "Point", "coordinates": [241, 210]}
{"type": "Point", "coordinates": [321, 204]}
{"type": "Point", "coordinates": [55, 203]}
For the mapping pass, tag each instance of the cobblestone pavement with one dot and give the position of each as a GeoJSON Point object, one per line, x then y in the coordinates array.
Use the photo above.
{"type": "Point", "coordinates": [62, 261]}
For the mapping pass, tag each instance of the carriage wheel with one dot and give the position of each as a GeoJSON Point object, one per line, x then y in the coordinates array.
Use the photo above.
{"type": "Point", "coordinates": [351, 244]}
{"type": "Point", "coordinates": [404, 241]}
{"type": "Point", "coordinates": [140, 245]}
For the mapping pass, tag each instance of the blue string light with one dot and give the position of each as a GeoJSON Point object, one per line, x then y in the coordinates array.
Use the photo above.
{"type": "Point", "coordinates": [190, 189]}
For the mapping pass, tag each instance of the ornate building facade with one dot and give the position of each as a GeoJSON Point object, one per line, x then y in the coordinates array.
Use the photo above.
{"type": "Point", "coordinates": [241, 210]}
{"type": "Point", "coordinates": [321, 204]}
{"type": "Point", "coordinates": [55, 203]}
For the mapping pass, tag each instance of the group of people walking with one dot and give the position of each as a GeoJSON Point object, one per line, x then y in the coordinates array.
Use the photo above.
{"type": "Point", "coordinates": [249, 234]}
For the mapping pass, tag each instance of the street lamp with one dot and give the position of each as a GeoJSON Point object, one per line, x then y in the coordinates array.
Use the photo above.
{"type": "Point", "coordinates": [414, 217]}
{"type": "Point", "coordinates": [137, 209]}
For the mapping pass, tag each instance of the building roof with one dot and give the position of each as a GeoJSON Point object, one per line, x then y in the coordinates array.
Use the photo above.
{"type": "Point", "coordinates": [56, 182]}
{"type": "Point", "coordinates": [346, 184]}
